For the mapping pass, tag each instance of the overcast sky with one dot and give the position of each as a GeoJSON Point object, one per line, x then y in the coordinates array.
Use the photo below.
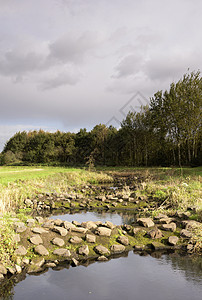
{"type": "Point", "coordinates": [70, 64]}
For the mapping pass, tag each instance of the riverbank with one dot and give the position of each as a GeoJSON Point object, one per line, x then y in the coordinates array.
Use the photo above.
{"type": "Point", "coordinates": [32, 242]}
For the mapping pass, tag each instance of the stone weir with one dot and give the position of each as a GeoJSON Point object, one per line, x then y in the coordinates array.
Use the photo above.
{"type": "Point", "coordinates": [42, 243]}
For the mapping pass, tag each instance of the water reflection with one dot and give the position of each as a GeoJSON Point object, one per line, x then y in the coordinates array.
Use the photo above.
{"type": "Point", "coordinates": [84, 216]}
{"type": "Point", "coordinates": [133, 277]}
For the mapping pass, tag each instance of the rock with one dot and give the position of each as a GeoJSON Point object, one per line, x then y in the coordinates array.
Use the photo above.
{"type": "Point", "coordinates": [39, 230]}
{"type": "Point", "coordinates": [62, 231]}
{"type": "Point", "coordinates": [109, 224]}
{"type": "Point", "coordinates": [28, 203]}
{"type": "Point", "coordinates": [3, 270]}
{"type": "Point", "coordinates": [62, 252]}
{"type": "Point", "coordinates": [146, 222]}
{"type": "Point", "coordinates": [58, 222]}
{"type": "Point", "coordinates": [19, 227]}
{"type": "Point", "coordinates": [185, 234]}
{"type": "Point", "coordinates": [101, 250]}
{"type": "Point", "coordinates": [136, 230]}
{"type": "Point", "coordinates": [16, 238]}
{"type": "Point", "coordinates": [75, 240]}
{"type": "Point", "coordinates": [36, 240]}
{"type": "Point", "coordinates": [49, 224]}
{"type": "Point", "coordinates": [160, 216]}
{"type": "Point", "coordinates": [18, 269]}
{"type": "Point", "coordinates": [169, 227]}
{"type": "Point", "coordinates": [31, 222]}
{"type": "Point", "coordinates": [190, 224]}
{"type": "Point", "coordinates": [75, 262]}
{"type": "Point", "coordinates": [41, 250]}
{"type": "Point", "coordinates": [155, 233]}
{"type": "Point", "coordinates": [76, 223]}
{"type": "Point", "coordinates": [190, 247]}
{"type": "Point", "coordinates": [12, 270]}
{"type": "Point", "coordinates": [50, 265]}
{"type": "Point", "coordinates": [173, 240]}
{"type": "Point", "coordinates": [158, 246]}
{"type": "Point", "coordinates": [165, 220]}
{"type": "Point", "coordinates": [139, 247]}
{"type": "Point", "coordinates": [103, 231]}
{"type": "Point", "coordinates": [84, 250]}
{"type": "Point", "coordinates": [38, 262]}
{"type": "Point", "coordinates": [1, 276]}
{"type": "Point", "coordinates": [102, 258]}
{"type": "Point", "coordinates": [21, 251]}
{"type": "Point", "coordinates": [40, 219]}
{"type": "Point", "coordinates": [118, 248]}
{"type": "Point", "coordinates": [123, 240]}
{"type": "Point", "coordinates": [79, 229]}
{"type": "Point", "coordinates": [90, 238]}
{"type": "Point", "coordinates": [25, 261]}
{"type": "Point", "coordinates": [89, 225]}
{"type": "Point", "coordinates": [58, 242]}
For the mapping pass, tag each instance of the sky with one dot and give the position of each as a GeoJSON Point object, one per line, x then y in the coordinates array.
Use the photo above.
{"type": "Point", "coordinates": [71, 64]}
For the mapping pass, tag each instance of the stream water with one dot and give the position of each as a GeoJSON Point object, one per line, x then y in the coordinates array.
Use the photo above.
{"type": "Point", "coordinates": [131, 277]}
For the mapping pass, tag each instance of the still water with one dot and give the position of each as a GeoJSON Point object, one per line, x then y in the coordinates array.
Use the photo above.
{"type": "Point", "coordinates": [133, 277]}
{"type": "Point", "coordinates": [82, 216]}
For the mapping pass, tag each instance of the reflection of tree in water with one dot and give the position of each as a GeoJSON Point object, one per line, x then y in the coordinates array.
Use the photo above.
{"type": "Point", "coordinates": [6, 290]}
{"type": "Point", "coordinates": [191, 266]}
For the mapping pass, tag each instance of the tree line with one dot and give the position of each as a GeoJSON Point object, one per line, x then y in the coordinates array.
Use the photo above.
{"type": "Point", "coordinates": [166, 132]}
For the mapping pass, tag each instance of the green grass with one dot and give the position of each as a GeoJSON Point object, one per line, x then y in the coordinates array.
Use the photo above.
{"type": "Point", "coordinates": [11, 174]}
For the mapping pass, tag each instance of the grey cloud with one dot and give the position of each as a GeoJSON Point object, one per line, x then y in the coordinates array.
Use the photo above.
{"type": "Point", "coordinates": [17, 63]}
{"type": "Point", "coordinates": [72, 49]}
{"type": "Point", "coordinates": [67, 77]}
{"type": "Point", "coordinates": [129, 65]}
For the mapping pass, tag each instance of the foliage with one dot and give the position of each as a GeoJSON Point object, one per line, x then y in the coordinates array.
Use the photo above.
{"type": "Point", "coordinates": [167, 132]}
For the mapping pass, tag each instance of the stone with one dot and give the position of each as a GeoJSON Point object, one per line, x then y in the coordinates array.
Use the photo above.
{"type": "Point", "coordinates": [102, 258]}
{"type": "Point", "coordinates": [160, 216]}
{"type": "Point", "coordinates": [20, 227]}
{"type": "Point", "coordinates": [101, 250]}
{"type": "Point", "coordinates": [146, 222]}
{"type": "Point", "coordinates": [190, 224]}
{"type": "Point", "coordinates": [21, 251]}
{"type": "Point", "coordinates": [36, 240]}
{"type": "Point", "coordinates": [62, 231]}
{"type": "Point", "coordinates": [38, 262]}
{"type": "Point", "coordinates": [39, 230]}
{"type": "Point", "coordinates": [103, 231]}
{"type": "Point", "coordinates": [62, 252]}
{"type": "Point", "coordinates": [50, 265]}
{"type": "Point", "coordinates": [165, 220]}
{"type": "Point", "coordinates": [18, 269]}
{"type": "Point", "coordinates": [58, 242]}
{"type": "Point", "coordinates": [158, 246]}
{"type": "Point", "coordinates": [89, 225]}
{"type": "Point", "coordinates": [185, 234]}
{"type": "Point", "coordinates": [118, 248]}
{"type": "Point", "coordinates": [172, 240]}
{"type": "Point", "coordinates": [90, 238]}
{"type": "Point", "coordinates": [109, 224]}
{"type": "Point", "coordinates": [28, 203]}
{"type": "Point", "coordinates": [155, 233]}
{"type": "Point", "coordinates": [76, 223]}
{"type": "Point", "coordinates": [1, 276]}
{"type": "Point", "coordinates": [16, 238]}
{"type": "Point", "coordinates": [190, 247]}
{"type": "Point", "coordinates": [58, 222]}
{"type": "Point", "coordinates": [75, 240]}
{"type": "Point", "coordinates": [25, 261]}
{"type": "Point", "coordinates": [83, 250]}
{"type": "Point", "coordinates": [41, 250]}
{"type": "Point", "coordinates": [123, 240]}
{"type": "Point", "coordinates": [169, 227]}
{"type": "Point", "coordinates": [31, 222]}
{"type": "Point", "coordinates": [12, 270]}
{"type": "Point", "coordinates": [137, 229]}
{"type": "Point", "coordinates": [75, 262]}
{"type": "Point", "coordinates": [79, 229]}
{"type": "Point", "coordinates": [139, 247]}
{"type": "Point", "coordinates": [40, 219]}
{"type": "Point", "coordinates": [3, 270]}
